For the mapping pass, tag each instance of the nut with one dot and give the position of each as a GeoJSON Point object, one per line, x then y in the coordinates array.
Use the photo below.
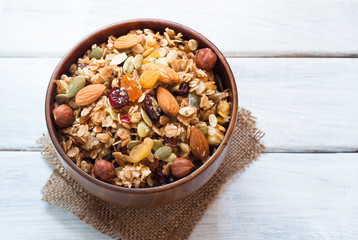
{"type": "Point", "coordinates": [89, 94]}
{"type": "Point", "coordinates": [205, 59]}
{"type": "Point", "coordinates": [199, 145]}
{"type": "Point", "coordinates": [167, 75]}
{"type": "Point", "coordinates": [63, 116]}
{"type": "Point", "coordinates": [182, 167]}
{"type": "Point", "coordinates": [103, 170]}
{"type": "Point", "coordinates": [167, 102]}
{"type": "Point", "coordinates": [126, 41]}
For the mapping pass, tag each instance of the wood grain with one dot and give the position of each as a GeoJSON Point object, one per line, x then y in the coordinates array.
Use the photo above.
{"type": "Point", "coordinates": [301, 104]}
{"type": "Point", "coordinates": [238, 28]}
{"type": "Point", "coordinates": [280, 196]}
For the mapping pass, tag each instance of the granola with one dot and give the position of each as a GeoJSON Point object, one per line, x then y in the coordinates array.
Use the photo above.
{"type": "Point", "coordinates": [155, 95]}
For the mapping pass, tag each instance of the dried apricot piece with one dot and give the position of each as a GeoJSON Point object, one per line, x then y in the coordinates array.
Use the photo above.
{"type": "Point", "coordinates": [149, 78]}
{"type": "Point", "coordinates": [152, 57]}
{"type": "Point", "coordinates": [130, 84]}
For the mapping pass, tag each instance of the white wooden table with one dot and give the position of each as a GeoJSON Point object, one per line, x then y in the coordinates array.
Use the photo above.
{"type": "Point", "coordinates": [296, 67]}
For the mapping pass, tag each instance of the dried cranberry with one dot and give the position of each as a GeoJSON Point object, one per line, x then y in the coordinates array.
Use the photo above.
{"type": "Point", "coordinates": [183, 90]}
{"type": "Point", "coordinates": [82, 65]}
{"type": "Point", "coordinates": [151, 107]}
{"type": "Point", "coordinates": [118, 97]}
{"type": "Point", "coordinates": [170, 141]}
{"type": "Point", "coordinates": [126, 118]}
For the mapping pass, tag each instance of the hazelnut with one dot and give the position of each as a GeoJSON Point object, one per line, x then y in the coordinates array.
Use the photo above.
{"type": "Point", "coordinates": [182, 167]}
{"type": "Point", "coordinates": [63, 116]}
{"type": "Point", "coordinates": [103, 170]}
{"type": "Point", "coordinates": [205, 59]}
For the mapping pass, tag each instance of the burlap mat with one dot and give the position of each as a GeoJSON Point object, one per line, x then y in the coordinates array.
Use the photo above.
{"type": "Point", "coordinates": [175, 221]}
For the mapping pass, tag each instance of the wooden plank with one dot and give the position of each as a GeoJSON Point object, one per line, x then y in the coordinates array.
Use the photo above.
{"type": "Point", "coordinates": [238, 28]}
{"type": "Point", "coordinates": [280, 196]}
{"type": "Point", "coordinates": [301, 104]}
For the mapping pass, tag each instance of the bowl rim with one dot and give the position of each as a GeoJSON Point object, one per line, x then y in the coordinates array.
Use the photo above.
{"type": "Point", "coordinates": [177, 183]}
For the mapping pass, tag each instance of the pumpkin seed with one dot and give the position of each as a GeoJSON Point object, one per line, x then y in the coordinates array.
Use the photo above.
{"type": "Point", "coordinates": [202, 127]}
{"type": "Point", "coordinates": [142, 129]}
{"type": "Point", "coordinates": [172, 55]}
{"type": "Point", "coordinates": [118, 59]}
{"type": "Point", "coordinates": [157, 144]}
{"type": "Point", "coordinates": [133, 143]}
{"type": "Point", "coordinates": [176, 87]}
{"type": "Point", "coordinates": [76, 84]}
{"type": "Point", "coordinates": [219, 82]}
{"type": "Point", "coordinates": [128, 65]}
{"type": "Point", "coordinates": [146, 118]}
{"type": "Point", "coordinates": [194, 99]}
{"type": "Point", "coordinates": [163, 152]}
{"type": "Point", "coordinates": [73, 69]}
{"type": "Point", "coordinates": [170, 158]}
{"type": "Point", "coordinates": [138, 60]}
{"type": "Point", "coordinates": [62, 98]}
{"type": "Point", "coordinates": [112, 113]}
{"type": "Point", "coordinates": [96, 53]}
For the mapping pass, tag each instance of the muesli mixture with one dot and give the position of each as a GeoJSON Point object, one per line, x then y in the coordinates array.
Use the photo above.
{"type": "Point", "coordinates": [142, 110]}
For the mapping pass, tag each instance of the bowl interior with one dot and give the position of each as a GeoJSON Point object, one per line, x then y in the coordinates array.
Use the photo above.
{"type": "Point", "coordinates": [122, 28]}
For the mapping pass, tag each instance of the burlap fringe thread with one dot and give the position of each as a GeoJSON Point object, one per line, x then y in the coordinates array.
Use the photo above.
{"type": "Point", "coordinates": [175, 221]}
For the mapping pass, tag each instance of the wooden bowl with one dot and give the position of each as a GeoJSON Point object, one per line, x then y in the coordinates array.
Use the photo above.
{"type": "Point", "coordinates": [142, 197]}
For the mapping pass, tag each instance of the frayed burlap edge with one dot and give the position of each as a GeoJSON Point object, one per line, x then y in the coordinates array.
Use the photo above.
{"type": "Point", "coordinates": [175, 221]}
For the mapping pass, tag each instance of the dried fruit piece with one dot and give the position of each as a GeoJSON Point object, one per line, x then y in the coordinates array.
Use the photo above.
{"type": "Point", "coordinates": [182, 167]}
{"type": "Point", "coordinates": [130, 84]}
{"type": "Point", "coordinates": [118, 98]}
{"type": "Point", "coordinates": [149, 78]}
{"type": "Point", "coordinates": [163, 152]}
{"type": "Point", "coordinates": [141, 151]}
{"type": "Point", "coordinates": [126, 118]}
{"type": "Point", "coordinates": [96, 53]}
{"type": "Point", "coordinates": [63, 116]}
{"type": "Point", "coordinates": [103, 170]}
{"type": "Point", "coordinates": [152, 57]}
{"type": "Point", "coordinates": [205, 59]}
{"type": "Point", "coordinates": [151, 107]}
{"type": "Point", "coordinates": [167, 75]}
{"type": "Point", "coordinates": [167, 102]}
{"type": "Point", "coordinates": [199, 145]}
{"type": "Point", "coordinates": [223, 108]}
{"type": "Point", "coordinates": [143, 129]}
{"type": "Point", "coordinates": [183, 90]}
{"type": "Point", "coordinates": [126, 41]}
{"type": "Point", "coordinates": [89, 94]}
{"type": "Point", "coordinates": [76, 84]}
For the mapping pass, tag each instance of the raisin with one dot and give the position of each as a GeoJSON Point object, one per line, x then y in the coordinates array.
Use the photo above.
{"type": "Point", "coordinates": [151, 107]}
{"type": "Point", "coordinates": [170, 141]}
{"type": "Point", "coordinates": [118, 97]}
{"type": "Point", "coordinates": [109, 157]}
{"type": "Point", "coordinates": [183, 90]}
{"type": "Point", "coordinates": [162, 179]}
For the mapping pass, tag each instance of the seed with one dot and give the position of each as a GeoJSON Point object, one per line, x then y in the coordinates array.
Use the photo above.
{"type": "Point", "coordinates": [62, 98]}
{"type": "Point", "coordinates": [157, 144]}
{"type": "Point", "coordinates": [146, 118]}
{"type": "Point", "coordinates": [176, 87]}
{"type": "Point", "coordinates": [73, 69]}
{"type": "Point", "coordinates": [118, 59]}
{"type": "Point", "coordinates": [128, 65]}
{"type": "Point", "coordinates": [138, 60]}
{"type": "Point", "coordinates": [96, 53]}
{"type": "Point", "coordinates": [202, 127]}
{"type": "Point", "coordinates": [192, 44]}
{"type": "Point", "coordinates": [133, 143]}
{"type": "Point", "coordinates": [76, 84]}
{"type": "Point", "coordinates": [170, 158]}
{"type": "Point", "coordinates": [219, 83]}
{"type": "Point", "coordinates": [112, 113]}
{"type": "Point", "coordinates": [147, 52]}
{"type": "Point", "coordinates": [143, 129]}
{"type": "Point", "coordinates": [163, 152]}
{"type": "Point", "coordinates": [212, 120]}
{"type": "Point", "coordinates": [194, 99]}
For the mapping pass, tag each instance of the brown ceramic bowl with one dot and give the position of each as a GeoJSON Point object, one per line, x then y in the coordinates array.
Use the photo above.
{"type": "Point", "coordinates": [143, 197]}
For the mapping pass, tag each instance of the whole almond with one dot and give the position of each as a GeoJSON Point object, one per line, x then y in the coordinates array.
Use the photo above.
{"type": "Point", "coordinates": [89, 94]}
{"type": "Point", "coordinates": [199, 145]}
{"type": "Point", "coordinates": [126, 41]}
{"type": "Point", "coordinates": [181, 167]}
{"type": "Point", "coordinates": [167, 75]}
{"type": "Point", "coordinates": [167, 102]}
